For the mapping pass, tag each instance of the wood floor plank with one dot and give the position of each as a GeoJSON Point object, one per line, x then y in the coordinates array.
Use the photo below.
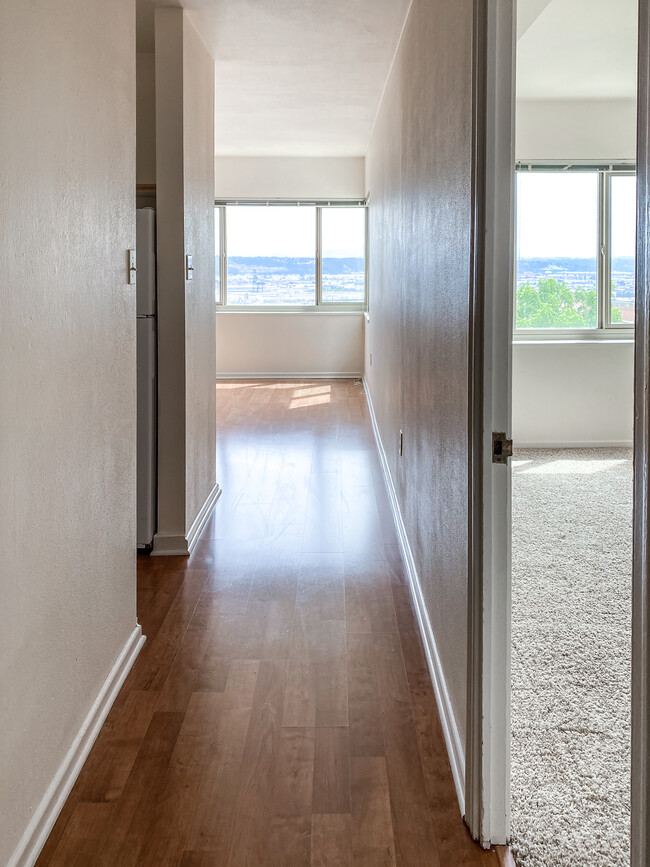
{"type": "Point", "coordinates": [364, 707]}
{"type": "Point", "coordinates": [107, 769]}
{"type": "Point", "coordinates": [81, 839]}
{"type": "Point", "coordinates": [215, 800]}
{"type": "Point", "coordinates": [317, 678]}
{"type": "Point", "coordinates": [157, 655]}
{"type": "Point", "coordinates": [454, 841]}
{"type": "Point", "coordinates": [249, 842]}
{"type": "Point", "coordinates": [196, 668]}
{"type": "Point", "coordinates": [133, 815]}
{"type": "Point", "coordinates": [321, 587]}
{"type": "Point", "coordinates": [372, 827]}
{"type": "Point", "coordinates": [332, 770]}
{"type": "Point", "coordinates": [323, 530]}
{"type": "Point", "coordinates": [290, 836]}
{"type": "Point", "coordinates": [413, 825]}
{"type": "Point", "coordinates": [331, 840]}
{"type": "Point", "coordinates": [173, 820]}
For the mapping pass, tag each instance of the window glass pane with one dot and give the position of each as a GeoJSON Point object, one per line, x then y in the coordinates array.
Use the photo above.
{"type": "Point", "coordinates": [217, 255]}
{"type": "Point", "coordinates": [343, 254]}
{"type": "Point", "coordinates": [271, 254]}
{"type": "Point", "coordinates": [557, 247]}
{"type": "Point", "coordinates": [623, 243]}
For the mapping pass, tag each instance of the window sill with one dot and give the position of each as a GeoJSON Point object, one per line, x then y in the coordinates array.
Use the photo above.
{"type": "Point", "coordinates": [292, 311]}
{"type": "Point", "coordinates": [572, 339]}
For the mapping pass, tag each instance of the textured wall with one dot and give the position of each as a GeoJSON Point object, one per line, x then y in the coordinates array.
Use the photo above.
{"type": "Point", "coordinates": [571, 129]}
{"type": "Point", "coordinates": [419, 176]}
{"type": "Point", "coordinates": [300, 343]}
{"type": "Point", "coordinates": [573, 393]}
{"type": "Point", "coordinates": [145, 119]}
{"type": "Point", "coordinates": [289, 177]}
{"type": "Point", "coordinates": [67, 379]}
{"type": "Point", "coordinates": [198, 170]}
{"type": "Point", "coordinates": [170, 269]}
{"type": "Point", "coordinates": [186, 308]}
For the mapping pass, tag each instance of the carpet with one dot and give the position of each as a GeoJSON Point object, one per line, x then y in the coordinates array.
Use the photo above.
{"type": "Point", "coordinates": [571, 648]}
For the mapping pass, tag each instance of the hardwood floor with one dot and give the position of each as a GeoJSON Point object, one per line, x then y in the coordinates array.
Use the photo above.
{"type": "Point", "coordinates": [281, 711]}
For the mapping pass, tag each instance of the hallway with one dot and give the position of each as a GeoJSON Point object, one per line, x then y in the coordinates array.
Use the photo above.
{"type": "Point", "coordinates": [281, 710]}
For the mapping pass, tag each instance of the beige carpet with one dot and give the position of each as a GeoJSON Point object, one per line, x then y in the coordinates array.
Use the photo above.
{"type": "Point", "coordinates": [571, 609]}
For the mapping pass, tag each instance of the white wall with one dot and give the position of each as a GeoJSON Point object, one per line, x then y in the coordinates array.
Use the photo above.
{"type": "Point", "coordinates": [289, 177]}
{"type": "Point", "coordinates": [289, 343]}
{"type": "Point", "coordinates": [186, 309]}
{"type": "Point", "coordinates": [67, 382]}
{"type": "Point", "coordinates": [576, 130]}
{"type": "Point", "coordinates": [574, 393]}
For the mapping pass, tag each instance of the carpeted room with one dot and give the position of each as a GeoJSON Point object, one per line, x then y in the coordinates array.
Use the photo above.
{"type": "Point", "coordinates": [573, 357]}
{"type": "Point", "coordinates": [571, 586]}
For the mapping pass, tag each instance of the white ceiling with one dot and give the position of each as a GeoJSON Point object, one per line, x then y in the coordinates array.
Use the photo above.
{"type": "Point", "coordinates": [305, 77]}
{"type": "Point", "coordinates": [577, 49]}
{"type": "Point", "coordinates": [293, 77]}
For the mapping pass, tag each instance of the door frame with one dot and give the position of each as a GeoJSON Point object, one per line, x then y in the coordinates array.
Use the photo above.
{"type": "Point", "coordinates": [640, 781]}
{"type": "Point", "coordinates": [487, 780]}
{"type": "Point", "coordinates": [487, 796]}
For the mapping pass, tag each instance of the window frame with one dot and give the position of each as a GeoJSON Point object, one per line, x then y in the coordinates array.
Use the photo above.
{"type": "Point", "coordinates": [605, 328]}
{"type": "Point", "coordinates": [320, 306]}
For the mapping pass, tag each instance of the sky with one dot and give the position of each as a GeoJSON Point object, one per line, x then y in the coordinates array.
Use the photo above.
{"type": "Point", "coordinates": [258, 230]}
{"type": "Point", "coordinates": [557, 215]}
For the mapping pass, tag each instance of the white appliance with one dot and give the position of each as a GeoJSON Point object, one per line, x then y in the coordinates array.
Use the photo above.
{"type": "Point", "coordinates": [146, 367]}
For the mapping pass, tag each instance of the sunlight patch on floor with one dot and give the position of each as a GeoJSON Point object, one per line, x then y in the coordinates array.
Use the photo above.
{"type": "Point", "coordinates": [569, 467]}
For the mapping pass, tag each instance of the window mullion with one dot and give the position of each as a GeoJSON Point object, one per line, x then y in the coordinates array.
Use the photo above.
{"type": "Point", "coordinates": [602, 250]}
{"type": "Point", "coordinates": [223, 262]}
{"type": "Point", "coordinates": [319, 261]}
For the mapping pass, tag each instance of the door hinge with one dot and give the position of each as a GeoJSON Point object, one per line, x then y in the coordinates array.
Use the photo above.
{"type": "Point", "coordinates": [501, 448]}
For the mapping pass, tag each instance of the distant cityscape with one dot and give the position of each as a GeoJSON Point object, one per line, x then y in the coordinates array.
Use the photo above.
{"type": "Point", "coordinates": [583, 273]}
{"type": "Point", "coordinates": [267, 280]}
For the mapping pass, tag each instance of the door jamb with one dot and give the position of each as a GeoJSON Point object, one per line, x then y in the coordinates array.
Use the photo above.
{"type": "Point", "coordinates": [487, 784]}
{"type": "Point", "coordinates": [640, 782]}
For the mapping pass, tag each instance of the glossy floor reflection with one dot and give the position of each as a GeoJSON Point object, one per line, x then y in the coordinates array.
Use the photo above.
{"type": "Point", "coordinates": [281, 711]}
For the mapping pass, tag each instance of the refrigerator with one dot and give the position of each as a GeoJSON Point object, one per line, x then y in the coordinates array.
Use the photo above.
{"type": "Point", "coordinates": [146, 376]}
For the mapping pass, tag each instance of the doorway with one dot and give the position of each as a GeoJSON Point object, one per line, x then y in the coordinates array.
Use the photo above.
{"type": "Point", "coordinates": [541, 472]}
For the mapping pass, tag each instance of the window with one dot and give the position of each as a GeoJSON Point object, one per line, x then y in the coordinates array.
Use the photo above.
{"type": "Point", "coordinates": [217, 255]}
{"type": "Point", "coordinates": [576, 235]}
{"type": "Point", "coordinates": [343, 255]}
{"type": "Point", "coordinates": [291, 255]}
{"type": "Point", "coordinates": [622, 246]}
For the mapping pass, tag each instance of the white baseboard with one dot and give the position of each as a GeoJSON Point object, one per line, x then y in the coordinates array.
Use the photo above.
{"type": "Point", "coordinates": [202, 517]}
{"type": "Point", "coordinates": [593, 444]}
{"type": "Point", "coordinates": [182, 546]}
{"type": "Point", "coordinates": [455, 746]}
{"type": "Point", "coordinates": [55, 797]}
{"type": "Point", "coordinates": [290, 376]}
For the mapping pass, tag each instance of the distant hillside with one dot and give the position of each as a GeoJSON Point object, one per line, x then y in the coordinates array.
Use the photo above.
{"type": "Point", "coordinates": [287, 265]}
{"type": "Point", "coordinates": [621, 264]}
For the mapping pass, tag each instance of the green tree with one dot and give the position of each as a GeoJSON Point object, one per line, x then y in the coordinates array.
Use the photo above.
{"type": "Point", "coordinates": [552, 304]}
